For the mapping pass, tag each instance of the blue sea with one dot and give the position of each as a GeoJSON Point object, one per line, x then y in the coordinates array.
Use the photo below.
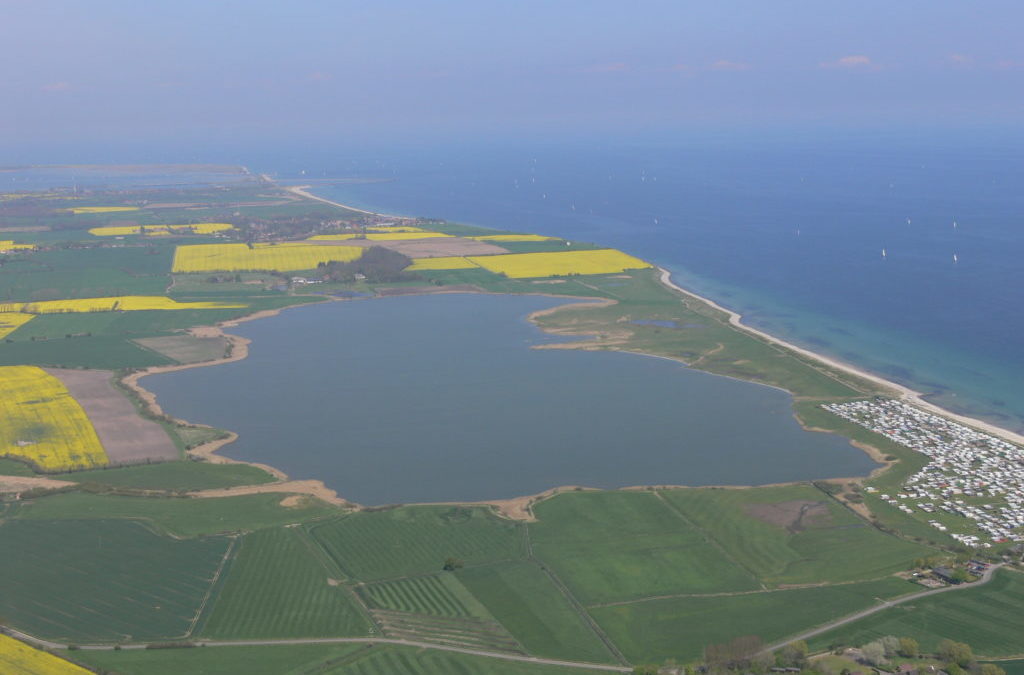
{"type": "Point", "coordinates": [787, 230]}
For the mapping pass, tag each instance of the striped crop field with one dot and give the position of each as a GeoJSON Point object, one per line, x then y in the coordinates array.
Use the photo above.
{"type": "Point", "coordinates": [42, 424]}
{"type": "Point", "coordinates": [284, 257]}
{"type": "Point", "coordinates": [155, 230]}
{"type": "Point", "coordinates": [559, 263]}
{"type": "Point", "coordinates": [380, 236]}
{"type": "Point", "coordinates": [437, 595]}
{"type": "Point", "coordinates": [388, 660]}
{"type": "Point", "coordinates": [379, 545]}
{"type": "Point", "coordinates": [443, 263]}
{"type": "Point", "coordinates": [103, 580]}
{"type": "Point", "coordinates": [457, 631]}
{"type": "Point", "coordinates": [18, 658]}
{"type": "Point", "coordinates": [278, 588]}
{"type": "Point", "coordinates": [12, 321]}
{"type": "Point", "coordinates": [8, 245]}
{"type": "Point", "coordinates": [515, 237]}
{"type": "Point", "coordinates": [117, 303]}
{"type": "Point", "coordinates": [102, 209]}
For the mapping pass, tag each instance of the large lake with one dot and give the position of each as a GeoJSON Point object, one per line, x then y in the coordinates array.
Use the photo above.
{"type": "Point", "coordinates": [440, 398]}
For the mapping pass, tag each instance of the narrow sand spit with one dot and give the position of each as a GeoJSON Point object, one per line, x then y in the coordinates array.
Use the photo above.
{"type": "Point", "coordinates": [313, 488]}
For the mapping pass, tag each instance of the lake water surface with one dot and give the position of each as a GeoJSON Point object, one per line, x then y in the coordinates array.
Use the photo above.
{"type": "Point", "coordinates": [438, 398]}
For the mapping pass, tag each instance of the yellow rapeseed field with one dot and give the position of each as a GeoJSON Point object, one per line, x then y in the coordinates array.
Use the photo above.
{"type": "Point", "coordinates": [557, 263]}
{"type": "Point", "coordinates": [158, 230]}
{"type": "Point", "coordinates": [285, 257]}
{"type": "Point", "coordinates": [445, 263]}
{"type": "Point", "coordinates": [515, 237]}
{"type": "Point", "coordinates": [17, 658]}
{"type": "Point", "coordinates": [381, 236]}
{"type": "Point", "coordinates": [12, 321]}
{"type": "Point", "coordinates": [102, 209]}
{"type": "Point", "coordinates": [40, 422]}
{"type": "Point", "coordinates": [8, 245]}
{"type": "Point", "coordinates": [123, 303]}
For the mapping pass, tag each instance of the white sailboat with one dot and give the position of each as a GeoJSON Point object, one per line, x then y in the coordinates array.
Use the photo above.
{"type": "Point", "coordinates": [954, 258]}
{"type": "Point", "coordinates": [883, 253]}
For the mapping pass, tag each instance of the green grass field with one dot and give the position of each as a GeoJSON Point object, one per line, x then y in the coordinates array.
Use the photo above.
{"type": "Point", "coordinates": [525, 600]}
{"type": "Point", "coordinates": [87, 273]}
{"type": "Point", "coordinates": [437, 595]}
{"type": "Point", "coordinates": [355, 659]}
{"type": "Point", "coordinates": [277, 588]}
{"type": "Point", "coordinates": [762, 528]}
{"type": "Point", "coordinates": [10, 467]}
{"type": "Point", "coordinates": [103, 352]}
{"type": "Point", "coordinates": [611, 546]}
{"type": "Point", "coordinates": [179, 516]}
{"type": "Point", "coordinates": [681, 627]}
{"type": "Point", "coordinates": [378, 545]}
{"type": "Point", "coordinates": [186, 475]}
{"type": "Point", "coordinates": [989, 618]}
{"type": "Point", "coordinates": [264, 660]}
{"type": "Point", "coordinates": [102, 580]}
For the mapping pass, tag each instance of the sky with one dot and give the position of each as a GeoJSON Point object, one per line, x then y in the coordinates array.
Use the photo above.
{"type": "Point", "coordinates": [205, 70]}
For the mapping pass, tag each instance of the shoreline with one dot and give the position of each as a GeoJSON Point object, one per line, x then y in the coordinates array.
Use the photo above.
{"type": "Point", "coordinates": [302, 191]}
{"type": "Point", "coordinates": [905, 394]}
{"type": "Point", "coordinates": [516, 508]}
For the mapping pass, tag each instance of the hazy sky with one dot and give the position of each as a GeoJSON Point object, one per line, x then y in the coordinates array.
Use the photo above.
{"type": "Point", "coordinates": [213, 69]}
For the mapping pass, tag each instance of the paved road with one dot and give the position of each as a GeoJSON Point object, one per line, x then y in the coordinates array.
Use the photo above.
{"type": "Point", "coordinates": [985, 578]}
{"type": "Point", "coordinates": [323, 641]}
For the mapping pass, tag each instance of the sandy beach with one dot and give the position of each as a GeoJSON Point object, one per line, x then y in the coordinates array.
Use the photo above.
{"type": "Point", "coordinates": [301, 190]}
{"type": "Point", "coordinates": [903, 393]}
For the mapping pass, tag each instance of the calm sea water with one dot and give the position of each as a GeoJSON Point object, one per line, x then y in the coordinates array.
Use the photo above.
{"type": "Point", "coordinates": [789, 233]}
{"type": "Point", "coordinates": [439, 398]}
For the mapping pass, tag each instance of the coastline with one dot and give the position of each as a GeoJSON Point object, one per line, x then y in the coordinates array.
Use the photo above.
{"type": "Point", "coordinates": [302, 191]}
{"type": "Point", "coordinates": [904, 393]}
{"type": "Point", "coordinates": [517, 508]}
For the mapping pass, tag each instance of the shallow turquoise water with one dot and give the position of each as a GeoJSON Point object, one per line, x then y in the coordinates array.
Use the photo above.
{"type": "Point", "coordinates": [436, 398]}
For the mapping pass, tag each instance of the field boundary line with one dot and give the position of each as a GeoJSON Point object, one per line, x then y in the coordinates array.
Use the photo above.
{"type": "Point", "coordinates": [710, 538]}
{"type": "Point", "coordinates": [725, 594]}
{"type": "Point", "coordinates": [576, 605]}
{"type": "Point", "coordinates": [326, 562]}
{"type": "Point", "coordinates": [229, 554]}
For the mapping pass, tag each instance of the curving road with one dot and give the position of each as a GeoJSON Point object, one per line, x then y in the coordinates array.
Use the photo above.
{"type": "Point", "coordinates": [885, 604]}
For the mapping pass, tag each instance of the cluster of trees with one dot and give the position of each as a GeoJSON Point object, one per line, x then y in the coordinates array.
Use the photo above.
{"type": "Point", "coordinates": [879, 652]}
{"type": "Point", "coordinates": [747, 655]}
{"type": "Point", "coordinates": [377, 265]}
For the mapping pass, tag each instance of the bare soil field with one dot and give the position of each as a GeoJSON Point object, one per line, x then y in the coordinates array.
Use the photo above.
{"type": "Point", "coordinates": [127, 438]}
{"type": "Point", "coordinates": [794, 515]}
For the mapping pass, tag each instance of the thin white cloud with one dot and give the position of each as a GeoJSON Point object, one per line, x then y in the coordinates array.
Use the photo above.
{"type": "Point", "coordinates": [56, 86]}
{"type": "Point", "coordinates": [852, 62]}
{"type": "Point", "coordinates": [960, 59]}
